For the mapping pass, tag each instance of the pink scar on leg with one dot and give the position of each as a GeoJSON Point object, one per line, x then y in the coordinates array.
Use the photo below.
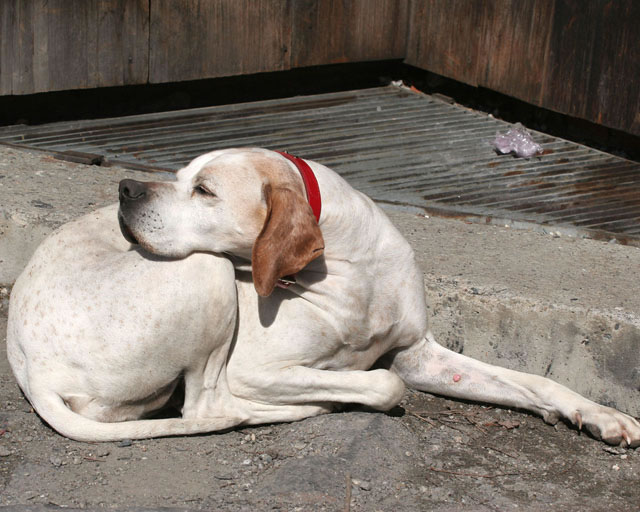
{"type": "Point", "coordinates": [456, 377]}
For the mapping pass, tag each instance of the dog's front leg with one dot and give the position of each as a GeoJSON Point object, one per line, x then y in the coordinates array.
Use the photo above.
{"type": "Point", "coordinates": [428, 366]}
{"type": "Point", "coordinates": [300, 385]}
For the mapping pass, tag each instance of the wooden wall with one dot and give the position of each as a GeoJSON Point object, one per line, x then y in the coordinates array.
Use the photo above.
{"type": "Point", "coordinates": [336, 31]}
{"type": "Point", "coordinates": [579, 57]}
{"type": "Point", "coordinates": [192, 39]}
{"type": "Point", "coordinates": [51, 45]}
{"type": "Point", "coordinates": [48, 45]}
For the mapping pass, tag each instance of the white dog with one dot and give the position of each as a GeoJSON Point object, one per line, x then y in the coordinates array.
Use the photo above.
{"type": "Point", "coordinates": [100, 332]}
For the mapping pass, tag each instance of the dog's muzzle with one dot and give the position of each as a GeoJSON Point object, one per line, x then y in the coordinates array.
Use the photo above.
{"type": "Point", "coordinates": [131, 193]}
{"type": "Point", "coordinates": [126, 232]}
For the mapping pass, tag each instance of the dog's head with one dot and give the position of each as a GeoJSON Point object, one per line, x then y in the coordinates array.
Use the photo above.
{"type": "Point", "coordinates": [249, 203]}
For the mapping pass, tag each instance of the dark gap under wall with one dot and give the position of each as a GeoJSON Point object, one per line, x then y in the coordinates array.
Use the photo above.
{"type": "Point", "coordinates": [143, 99]}
{"type": "Point", "coordinates": [140, 99]}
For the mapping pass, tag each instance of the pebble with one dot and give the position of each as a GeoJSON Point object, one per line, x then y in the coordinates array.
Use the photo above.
{"type": "Point", "coordinates": [4, 451]}
{"type": "Point", "coordinates": [266, 458]}
{"type": "Point", "coordinates": [614, 450]}
{"type": "Point", "coordinates": [246, 462]}
{"type": "Point", "coordinates": [124, 443]}
{"type": "Point", "coordinates": [299, 446]}
{"type": "Point", "coordinates": [55, 460]}
{"type": "Point", "coordinates": [362, 484]}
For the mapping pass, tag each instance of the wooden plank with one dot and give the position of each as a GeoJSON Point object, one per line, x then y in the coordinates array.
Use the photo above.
{"type": "Point", "coordinates": [194, 39]}
{"type": "Point", "coordinates": [74, 44]}
{"type": "Point", "coordinates": [444, 37]}
{"type": "Point", "coordinates": [566, 87]}
{"type": "Point", "coordinates": [22, 75]}
{"type": "Point", "coordinates": [135, 42]}
{"type": "Point", "coordinates": [69, 27]}
{"type": "Point", "coordinates": [513, 54]}
{"type": "Point", "coordinates": [122, 55]}
{"type": "Point", "coordinates": [614, 85]}
{"type": "Point", "coordinates": [335, 31]}
{"type": "Point", "coordinates": [7, 48]}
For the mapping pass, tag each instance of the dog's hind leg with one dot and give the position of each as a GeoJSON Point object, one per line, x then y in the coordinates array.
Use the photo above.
{"type": "Point", "coordinates": [428, 366]}
{"type": "Point", "coordinates": [106, 411]}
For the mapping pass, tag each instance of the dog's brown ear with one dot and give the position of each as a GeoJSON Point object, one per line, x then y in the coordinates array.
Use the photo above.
{"type": "Point", "coordinates": [289, 240]}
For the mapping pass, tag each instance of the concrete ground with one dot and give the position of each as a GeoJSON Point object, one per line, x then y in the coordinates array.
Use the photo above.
{"type": "Point", "coordinates": [563, 307]}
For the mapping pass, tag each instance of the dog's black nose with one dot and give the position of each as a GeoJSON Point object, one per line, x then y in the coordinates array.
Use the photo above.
{"type": "Point", "coordinates": [131, 190]}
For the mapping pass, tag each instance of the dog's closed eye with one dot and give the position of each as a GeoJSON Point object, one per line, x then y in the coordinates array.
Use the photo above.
{"type": "Point", "coordinates": [203, 190]}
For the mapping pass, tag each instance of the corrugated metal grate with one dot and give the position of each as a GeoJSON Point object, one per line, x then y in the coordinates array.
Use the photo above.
{"type": "Point", "coordinates": [396, 145]}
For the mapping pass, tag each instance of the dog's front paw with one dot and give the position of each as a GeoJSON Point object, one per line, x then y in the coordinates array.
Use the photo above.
{"type": "Point", "coordinates": [609, 425]}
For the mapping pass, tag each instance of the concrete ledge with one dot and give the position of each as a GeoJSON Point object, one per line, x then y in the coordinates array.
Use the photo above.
{"type": "Point", "coordinates": [566, 308]}
{"type": "Point", "coordinates": [563, 307]}
{"type": "Point", "coordinates": [594, 352]}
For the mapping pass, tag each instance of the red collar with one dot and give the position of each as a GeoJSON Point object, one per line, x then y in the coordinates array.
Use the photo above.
{"type": "Point", "coordinates": [310, 183]}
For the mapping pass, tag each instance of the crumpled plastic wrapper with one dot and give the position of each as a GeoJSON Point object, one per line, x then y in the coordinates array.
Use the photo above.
{"type": "Point", "coordinates": [517, 140]}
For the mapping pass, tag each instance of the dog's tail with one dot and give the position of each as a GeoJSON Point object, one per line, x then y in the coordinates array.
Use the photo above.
{"type": "Point", "coordinates": [52, 408]}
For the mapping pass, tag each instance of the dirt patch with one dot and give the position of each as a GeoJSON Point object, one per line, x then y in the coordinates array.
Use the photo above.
{"type": "Point", "coordinates": [428, 454]}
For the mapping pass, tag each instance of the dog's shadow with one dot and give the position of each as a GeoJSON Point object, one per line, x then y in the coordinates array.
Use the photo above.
{"type": "Point", "coordinates": [268, 307]}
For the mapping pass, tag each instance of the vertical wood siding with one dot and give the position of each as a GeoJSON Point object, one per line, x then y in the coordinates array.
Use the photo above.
{"type": "Point", "coordinates": [192, 39]}
{"type": "Point", "coordinates": [335, 31]}
{"type": "Point", "coordinates": [444, 39]}
{"type": "Point", "coordinates": [50, 45]}
{"type": "Point", "coordinates": [595, 62]}
{"type": "Point", "coordinates": [578, 57]}
{"type": "Point", "coordinates": [514, 47]}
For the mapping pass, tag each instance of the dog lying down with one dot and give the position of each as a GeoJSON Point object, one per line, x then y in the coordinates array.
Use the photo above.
{"type": "Point", "coordinates": [229, 284]}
